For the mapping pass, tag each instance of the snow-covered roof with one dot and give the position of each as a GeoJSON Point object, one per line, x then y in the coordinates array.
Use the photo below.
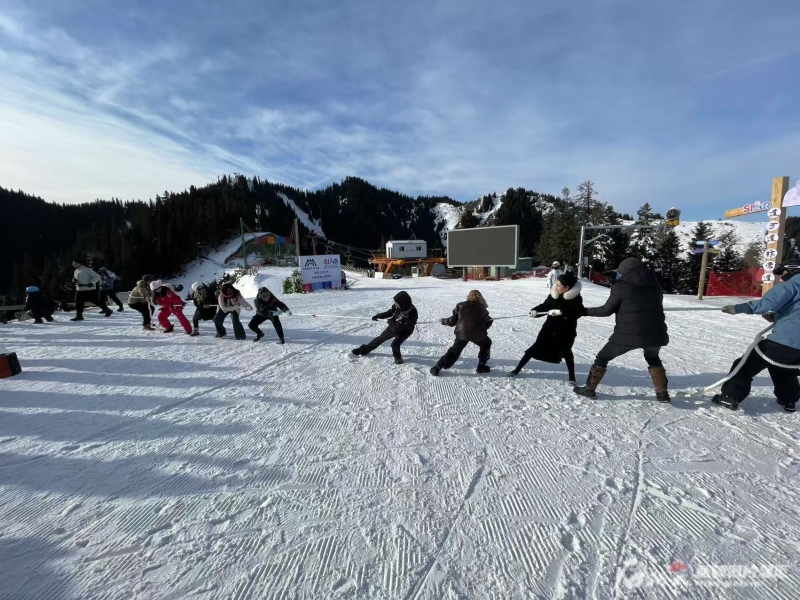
{"type": "Point", "coordinates": [406, 242]}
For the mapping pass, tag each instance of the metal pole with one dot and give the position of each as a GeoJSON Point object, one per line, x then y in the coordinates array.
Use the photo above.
{"type": "Point", "coordinates": [244, 248]}
{"type": "Point", "coordinates": [703, 264]}
{"type": "Point", "coordinates": [297, 241]}
{"type": "Point", "coordinates": [580, 253]}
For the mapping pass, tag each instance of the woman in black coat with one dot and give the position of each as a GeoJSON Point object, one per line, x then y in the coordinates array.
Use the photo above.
{"type": "Point", "coordinates": [563, 307]}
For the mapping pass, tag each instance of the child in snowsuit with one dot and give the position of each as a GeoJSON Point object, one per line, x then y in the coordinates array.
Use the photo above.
{"type": "Point", "coordinates": [108, 286]}
{"type": "Point", "coordinates": [38, 305]}
{"type": "Point", "coordinates": [230, 302]}
{"type": "Point", "coordinates": [563, 307]}
{"type": "Point", "coordinates": [171, 304]}
{"type": "Point", "coordinates": [402, 321]}
{"type": "Point", "coordinates": [553, 274]}
{"type": "Point", "coordinates": [267, 307]}
{"type": "Point", "coordinates": [205, 305]}
{"type": "Point", "coordinates": [472, 321]}
{"type": "Point", "coordinates": [141, 300]}
{"type": "Point", "coordinates": [781, 306]}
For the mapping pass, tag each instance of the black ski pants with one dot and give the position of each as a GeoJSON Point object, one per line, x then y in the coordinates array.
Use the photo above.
{"type": "Point", "coordinates": [386, 335]}
{"type": "Point", "coordinates": [611, 351]}
{"type": "Point", "coordinates": [203, 313]}
{"type": "Point", "coordinates": [259, 319]}
{"type": "Point", "coordinates": [567, 355]}
{"type": "Point", "coordinates": [84, 296]}
{"type": "Point", "coordinates": [786, 387]}
{"type": "Point", "coordinates": [238, 330]}
{"type": "Point", "coordinates": [451, 356]}
{"type": "Point", "coordinates": [112, 294]}
{"type": "Point", "coordinates": [142, 308]}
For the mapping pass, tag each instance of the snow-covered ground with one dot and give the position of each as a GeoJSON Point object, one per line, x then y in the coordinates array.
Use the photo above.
{"type": "Point", "coordinates": [146, 465]}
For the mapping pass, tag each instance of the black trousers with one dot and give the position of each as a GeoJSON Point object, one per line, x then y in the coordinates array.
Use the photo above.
{"type": "Point", "coordinates": [569, 359]}
{"type": "Point", "coordinates": [105, 294]}
{"type": "Point", "coordinates": [786, 387]}
{"type": "Point", "coordinates": [386, 335]}
{"type": "Point", "coordinates": [84, 296]}
{"type": "Point", "coordinates": [203, 313]}
{"type": "Point", "coordinates": [611, 351]}
{"type": "Point", "coordinates": [451, 356]}
{"type": "Point", "coordinates": [259, 319]}
{"type": "Point", "coordinates": [238, 330]}
{"type": "Point", "coordinates": [142, 308]}
{"type": "Point", "coordinates": [38, 315]}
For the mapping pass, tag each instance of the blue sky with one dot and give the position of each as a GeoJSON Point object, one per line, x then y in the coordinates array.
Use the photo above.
{"type": "Point", "coordinates": [694, 104]}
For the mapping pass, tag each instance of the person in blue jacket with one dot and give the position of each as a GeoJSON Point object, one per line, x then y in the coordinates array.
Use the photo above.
{"type": "Point", "coordinates": [781, 306]}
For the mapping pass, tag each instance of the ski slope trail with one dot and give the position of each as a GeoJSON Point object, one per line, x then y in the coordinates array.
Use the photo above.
{"type": "Point", "coordinates": [146, 465]}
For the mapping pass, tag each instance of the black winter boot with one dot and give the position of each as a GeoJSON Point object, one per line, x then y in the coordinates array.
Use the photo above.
{"type": "Point", "coordinates": [398, 360]}
{"type": "Point", "coordinates": [169, 329]}
{"type": "Point", "coordinates": [789, 407]}
{"type": "Point", "coordinates": [49, 319]}
{"type": "Point", "coordinates": [258, 336]}
{"type": "Point", "coordinates": [77, 319]}
{"type": "Point", "coordinates": [358, 351]}
{"type": "Point", "coordinates": [483, 369]}
{"type": "Point", "coordinates": [726, 401]}
{"type": "Point", "coordinates": [435, 371]}
{"type": "Point", "coordinates": [38, 321]}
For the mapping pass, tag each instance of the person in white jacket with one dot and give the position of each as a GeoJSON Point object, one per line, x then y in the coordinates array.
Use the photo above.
{"type": "Point", "coordinates": [555, 272]}
{"type": "Point", "coordinates": [230, 302]}
{"type": "Point", "coordinates": [86, 282]}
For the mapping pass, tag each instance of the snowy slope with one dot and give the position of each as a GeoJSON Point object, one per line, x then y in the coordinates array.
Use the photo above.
{"type": "Point", "coordinates": [155, 466]}
{"type": "Point", "coordinates": [311, 225]}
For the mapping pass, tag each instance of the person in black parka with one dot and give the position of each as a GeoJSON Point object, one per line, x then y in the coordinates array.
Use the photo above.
{"type": "Point", "coordinates": [402, 321]}
{"type": "Point", "coordinates": [267, 307]}
{"type": "Point", "coordinates": [563, 307]}
{"type": "Point", "coordinates": [39, 305]}
{"type": "Point", "coordinates": [472, 322]}
{"type": "Point", "coordinates": [638, 303]}
{"type": "Point", "coordinates": [205, 302]}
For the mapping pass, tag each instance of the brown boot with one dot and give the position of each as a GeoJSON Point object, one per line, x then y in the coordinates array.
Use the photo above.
{"type": "Point", "coordinates": [659, 377]}
{"type": "Point", "coordinates": [592, 381]}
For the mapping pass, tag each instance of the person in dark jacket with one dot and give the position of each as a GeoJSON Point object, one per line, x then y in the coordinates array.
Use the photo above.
{"type": "Point", "coordinates": [472, 321]}
{"type": "Point", "coordinates": [205, 303]}
{"type": "Point", "coordinates": [638, 303]}
{"type": "Point", "coordinates": [563, 307]}
{"type": "Point", "coordinates": [267, 307]}
{"type": "Point", "coordinates": [109, 285]}
{"type": "Point", "coordinates": [402, 321]}
{"type": "Point", "coordinates": [39, 305]}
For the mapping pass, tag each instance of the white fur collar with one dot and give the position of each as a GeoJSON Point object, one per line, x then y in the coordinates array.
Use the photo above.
{"type": "Point", "coordinates": [571, 293]}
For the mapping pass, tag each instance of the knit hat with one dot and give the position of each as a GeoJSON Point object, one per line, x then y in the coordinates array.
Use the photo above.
{"type": "Point", "coordinates": [154, 285]}
{"type": "Point", "coordinates": [31, 289]}
{"type": "Point", "coordinates": [628, 265]}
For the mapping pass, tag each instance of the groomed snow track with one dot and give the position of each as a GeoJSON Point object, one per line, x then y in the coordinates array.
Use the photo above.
{"type": "Point", "coordinates": [164, 466]}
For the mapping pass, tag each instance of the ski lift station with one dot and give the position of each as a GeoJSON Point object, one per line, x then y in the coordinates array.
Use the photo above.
{"type": "Point", "coordinates": [407, 249]}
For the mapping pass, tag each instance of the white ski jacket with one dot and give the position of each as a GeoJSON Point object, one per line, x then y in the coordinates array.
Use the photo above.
{"type": "Point", "coordinates": [552, 276]}
{"type": "Point", "coordinates": [85, 278]}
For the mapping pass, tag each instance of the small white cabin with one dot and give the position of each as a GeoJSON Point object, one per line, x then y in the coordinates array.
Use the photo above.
{"type": "Point", "coordinates": [407, 249]}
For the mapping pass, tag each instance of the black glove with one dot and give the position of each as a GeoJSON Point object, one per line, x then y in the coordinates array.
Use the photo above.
{"type": "Point", "coordinates": [444, 321]}
{"type": "Point", "coordinates": [375, 318]}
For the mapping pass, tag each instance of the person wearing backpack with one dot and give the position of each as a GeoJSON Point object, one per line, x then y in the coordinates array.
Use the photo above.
{"type": "Point", "coordinates": [205, 304]}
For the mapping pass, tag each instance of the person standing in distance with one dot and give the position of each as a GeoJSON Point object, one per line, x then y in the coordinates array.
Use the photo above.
{"type": "Point", "coordinates": [555, 272]}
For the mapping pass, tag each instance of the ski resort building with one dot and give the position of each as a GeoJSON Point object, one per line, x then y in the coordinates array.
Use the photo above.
{"type": "Point", "coordinates": [407, 249]}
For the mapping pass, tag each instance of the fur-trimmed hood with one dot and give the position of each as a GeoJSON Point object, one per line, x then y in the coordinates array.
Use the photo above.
{"type": "Point", "coordinates": [570, 294]}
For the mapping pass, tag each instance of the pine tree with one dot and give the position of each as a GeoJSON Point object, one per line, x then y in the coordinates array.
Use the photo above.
{"type": "Point", "coordinates": [753, 255]}
{"type": "Point", "coordinates": [669, 264]}
{"type": "Point", "coordinates": [644, 243]}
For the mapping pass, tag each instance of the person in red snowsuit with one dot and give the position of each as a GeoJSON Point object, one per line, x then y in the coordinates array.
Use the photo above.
{"type": "Point", "coordinates": [171, 304]}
